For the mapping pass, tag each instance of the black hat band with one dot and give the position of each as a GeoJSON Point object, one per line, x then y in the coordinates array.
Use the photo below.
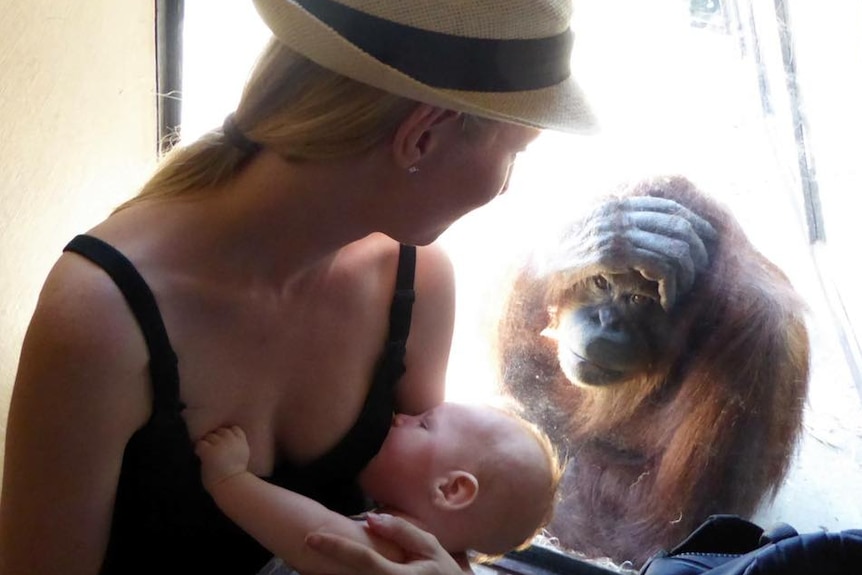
{"type": "Point", "coordinates": [447, 61]}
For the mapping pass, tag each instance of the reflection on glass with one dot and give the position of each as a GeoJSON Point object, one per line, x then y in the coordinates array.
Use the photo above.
{"type": "Point", "coordinates": [710, 102]}
{"type": "Point", "coordinates": [701, 89]}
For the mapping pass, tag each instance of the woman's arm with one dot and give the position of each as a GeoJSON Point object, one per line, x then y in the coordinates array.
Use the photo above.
{"type": "Point", "coordinates": [81, 391]}
{"type": "Point", "coordinates": [278, 518]}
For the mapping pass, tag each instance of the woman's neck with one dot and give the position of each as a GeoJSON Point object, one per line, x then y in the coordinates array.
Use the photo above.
{"type": "Point", "coordinates": [277, 221]}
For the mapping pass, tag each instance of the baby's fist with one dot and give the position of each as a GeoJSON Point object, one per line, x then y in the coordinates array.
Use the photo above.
{"type": "Point", "coordinates": [223, 454]}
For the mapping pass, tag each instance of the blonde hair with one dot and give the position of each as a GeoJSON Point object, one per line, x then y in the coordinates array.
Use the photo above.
{"type": "Point", "coordinates": [519, 494]}
{"type": "Point", "coordinates": [291, 106]}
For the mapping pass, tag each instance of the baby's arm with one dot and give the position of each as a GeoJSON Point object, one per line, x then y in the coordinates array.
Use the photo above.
{"type": "Point", "coordinates": [278, 518]}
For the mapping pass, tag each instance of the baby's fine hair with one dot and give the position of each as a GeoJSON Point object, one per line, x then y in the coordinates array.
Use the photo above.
{"type": "Point", "coordinates": [520, 509]}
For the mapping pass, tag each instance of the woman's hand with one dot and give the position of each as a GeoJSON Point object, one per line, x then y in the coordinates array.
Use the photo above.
{"type": "Point", "coordinates": [425, 554]}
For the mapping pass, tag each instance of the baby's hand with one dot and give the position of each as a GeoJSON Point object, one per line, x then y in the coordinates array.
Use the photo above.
{"type": "Point", "coordinates": [223, 453]}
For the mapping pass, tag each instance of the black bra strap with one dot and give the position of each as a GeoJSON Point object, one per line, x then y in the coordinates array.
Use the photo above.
{"type": "Point", "coordinates": [402, 304]}
{"type": "Point", "coordinates": [163, 360]}
{"type": "Point", "coordinates": [364, 439]}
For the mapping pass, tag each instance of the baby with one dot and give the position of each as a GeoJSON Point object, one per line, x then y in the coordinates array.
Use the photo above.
{"type": "Point", "coordinates": [476, 477]}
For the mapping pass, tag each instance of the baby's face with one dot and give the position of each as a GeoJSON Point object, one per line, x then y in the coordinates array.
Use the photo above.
{"type": "Point", "coordinates": [442, 435]}
{"type": "Point", "coordinates": [422, 447]}
{"type": "Point", "coordinates": [412, 473]}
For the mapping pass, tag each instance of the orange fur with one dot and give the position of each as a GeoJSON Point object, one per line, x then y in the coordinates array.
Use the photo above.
{"type": "Point", "coordinates": [710, 429]}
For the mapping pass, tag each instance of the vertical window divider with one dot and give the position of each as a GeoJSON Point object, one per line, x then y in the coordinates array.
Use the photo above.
{"type": "Point", "coordinates": [169, 76]}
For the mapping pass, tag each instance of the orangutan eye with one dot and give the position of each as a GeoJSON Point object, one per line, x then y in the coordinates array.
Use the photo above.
{"type": "Point", "coordinates": [600, 282]}
{"type": "Point", "coordinates": [640, 299]}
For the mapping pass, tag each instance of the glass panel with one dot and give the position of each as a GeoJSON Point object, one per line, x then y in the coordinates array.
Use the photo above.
{"type": "Point", "coordinates": [222, 38]}
{"type": "Point", "coordinates": [828, 55]}
{"type": "Point", "coordinates": [691, 87]}
{"type": "Point", "coordinates": [708, 100]}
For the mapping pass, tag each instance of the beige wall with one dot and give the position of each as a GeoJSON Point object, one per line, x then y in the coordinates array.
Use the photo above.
{"type": "Point", "coordinates": [77, 136]}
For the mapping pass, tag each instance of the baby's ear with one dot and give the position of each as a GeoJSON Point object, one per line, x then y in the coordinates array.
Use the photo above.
{"type": "Point", "coordinates": [456, 490]}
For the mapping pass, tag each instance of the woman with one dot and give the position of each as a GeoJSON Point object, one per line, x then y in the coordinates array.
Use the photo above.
{"type": "Point", "coordinates": [265, 269]}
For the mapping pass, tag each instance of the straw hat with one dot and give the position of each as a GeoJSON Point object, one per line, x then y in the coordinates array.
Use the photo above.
{"type": "Point", "coordinates": [501, 59]}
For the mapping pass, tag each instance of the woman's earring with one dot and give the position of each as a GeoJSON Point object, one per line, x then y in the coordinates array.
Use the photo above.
{"type": "Point", "coordinates": [412, 170]}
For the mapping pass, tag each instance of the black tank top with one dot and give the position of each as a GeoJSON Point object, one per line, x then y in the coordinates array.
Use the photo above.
{"type": "Point", "coordinates": [164, 521]}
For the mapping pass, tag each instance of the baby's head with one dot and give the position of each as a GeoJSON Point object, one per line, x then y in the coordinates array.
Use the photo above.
{"type": "Point", "coordinates": [477, 477]}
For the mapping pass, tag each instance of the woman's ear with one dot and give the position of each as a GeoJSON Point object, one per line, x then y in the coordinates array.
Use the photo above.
{"type": "Point", "coordinates": [456, 490]}
{"type": "Point", "coordinates": [415, 135]}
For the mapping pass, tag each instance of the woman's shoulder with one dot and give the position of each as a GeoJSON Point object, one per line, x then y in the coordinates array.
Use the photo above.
{"type": "Point", "coordinates": [379, 249]}
{"type": "Point", "coordinates": [374, 262]}
{"type": "Point", "coordinates": [82, 330]}
{"type": "Point", "coordinates": [374, 248]}
{"type": "Point", "coordinates": [79, 296]}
